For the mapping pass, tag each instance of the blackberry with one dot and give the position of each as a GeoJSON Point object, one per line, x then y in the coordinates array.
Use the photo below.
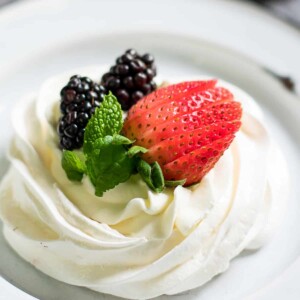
{"type": "Point", "coordinates": [131, 78]}
{"type": "Point", "coordinates": [79, 99]}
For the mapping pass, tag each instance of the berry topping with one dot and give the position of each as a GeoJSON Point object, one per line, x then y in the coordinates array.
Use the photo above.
{"type": "Point", "coordinates": [79, 99]}
{"type": "Point", "coordinates": [186, 128]}
{"type": "Point", "coordinates": [131, 78]}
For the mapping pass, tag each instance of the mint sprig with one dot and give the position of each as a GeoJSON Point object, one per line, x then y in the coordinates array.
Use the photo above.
{"type": "Point", "coordinates": [110, 158]}
{"type": "Point", "coordinates": [134, 150]}
{"type": "Point", "coordinates": [107, 120]}
{"type": "Point", "coordinates": [152, 175]}
{"type": "Point", "coordinates": [108, 163]}
{"type": "Point", "coordinates": [174, 183]}
{"type": "Point", "coordinates": [73, 165]}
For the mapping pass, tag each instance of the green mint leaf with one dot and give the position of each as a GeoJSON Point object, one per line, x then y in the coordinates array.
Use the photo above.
{"type": "Point", "coordinates": [108, 163]}
{"type": "Point", "coordinates": [73, 165]}
{"type": "Point", "coordinates": [121, 140]}
{"type": "Point", "coordinates": [135, 150]}
{"type": "Point", "coordinates": [157, 177]}
{"type": "Point", "coordinates": [144, 170]}
{"type": "Point", "coordinates": [174, 183]}
{"type": "Point", "coordinates": [107, 120]}
{"type": "Point", "coordinates": [111, 140]}
{"type": "Point", "coordinates": [152, 175]}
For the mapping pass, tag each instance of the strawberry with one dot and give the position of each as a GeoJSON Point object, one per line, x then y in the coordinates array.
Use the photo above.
{"type": "Point", "coordinates": [186, 127]}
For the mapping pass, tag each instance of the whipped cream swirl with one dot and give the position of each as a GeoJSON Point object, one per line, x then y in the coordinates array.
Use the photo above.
{"type": "Point", "coordinates": [134, 243]}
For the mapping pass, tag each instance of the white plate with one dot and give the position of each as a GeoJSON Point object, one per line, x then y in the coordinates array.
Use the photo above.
{"type": "Point", "coordinates": [50, 37]}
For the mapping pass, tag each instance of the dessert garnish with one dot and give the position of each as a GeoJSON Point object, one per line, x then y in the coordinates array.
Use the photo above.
{"type": "Point", "coordinates": [131, 78]}
{"type": "Point", "coordinates": [185, 127]}
{"type": "Point", "coordinates": [173, 136]}
{"type": "Point", "coordinates": [108, 157]}
{"type": "Point", "coordinates": [79, 98]}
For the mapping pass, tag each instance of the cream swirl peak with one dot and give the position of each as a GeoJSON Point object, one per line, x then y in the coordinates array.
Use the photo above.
{"type": "Point", "coordinates": [132, 242]}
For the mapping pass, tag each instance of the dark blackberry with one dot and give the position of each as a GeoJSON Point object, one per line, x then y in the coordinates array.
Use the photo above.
{"type": "Point", "coordinates": [79, 99]}
{"type": "Point", "coordinates": [131, 78]}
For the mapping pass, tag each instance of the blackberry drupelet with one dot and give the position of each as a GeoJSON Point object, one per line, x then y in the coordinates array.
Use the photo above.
{"type": "Point", "coordinates": [131, 78]}
{"type": "Point", "coordinates": [79, 99]}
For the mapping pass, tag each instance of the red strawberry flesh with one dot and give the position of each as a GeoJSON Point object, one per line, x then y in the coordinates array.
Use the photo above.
{"type": "Point", "coordinates": [169, 93]}
{"type": "Point", "coordinates": [184, 104]}
{"type": "Point", "coordinates": [225, 111]}
{"type": "Point", "coordinates": [179, 145]}
{"type": "Point", "coordinates": [194, 165]}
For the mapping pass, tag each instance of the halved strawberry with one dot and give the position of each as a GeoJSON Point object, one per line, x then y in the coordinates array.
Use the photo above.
{"type": "Point", "coordinates": [187, 132]}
